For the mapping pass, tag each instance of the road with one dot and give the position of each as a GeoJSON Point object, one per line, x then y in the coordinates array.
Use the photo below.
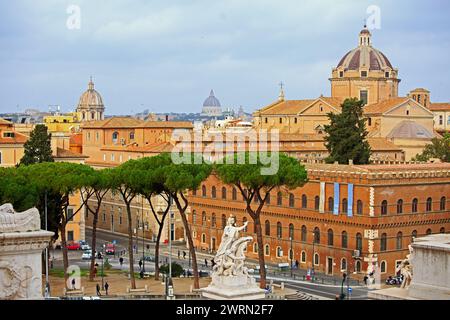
{"type": "Point", "coordinates": [319, 290]}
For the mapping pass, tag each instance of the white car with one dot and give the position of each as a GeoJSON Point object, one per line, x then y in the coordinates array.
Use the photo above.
{"type": "Point", "coordinates": [87, 255]}
{"type": "Point", "coordinates": [84, 245]}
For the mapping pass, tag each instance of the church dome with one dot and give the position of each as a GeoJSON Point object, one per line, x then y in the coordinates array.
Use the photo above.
{"type": "Point", "coordinates": [365, 56]}
{"type": "Point", "coordinates": [90, 98]}
{"type": "Point", "coordinates": [211, 101]}
{"type": "Point", "coordinates": [410, 130]}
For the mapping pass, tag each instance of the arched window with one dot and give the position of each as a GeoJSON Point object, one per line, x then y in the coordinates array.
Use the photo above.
{"type": "Point", "coordinates": [194, 192]}
{"type": "Point", "coordinates": [268, 198]}
{"type": "Point", "coordinates": [330, 204]}
{"type": "Point", "coordinates": [224, 221]}
{"type": "Point", "coordinates": [291, 200]}
{"type": "Point", "coordinates": [330, 237]}
{"type": "Point", "coordinates": [442, 204]}
{"type": "Point", "coordinates": [383, 242]}
{"type": "Point", "coordinates": [304, 234]}
{"type": "Point", "coordinates": [244, 220]}
{"type": "Point", "coordinates": [279, 230]}
{"type": "Point", "coordinates": [132, 135]}
{"type": "Point", "coordinates": [303, 257]}
{"type": "Point", "coordinates": [204, 218]}
{"type": "Point", "coordinates": [213, 219]}
{"type": "Point", "coordinates": [384, 208]}
{"type": "Point", "coordinates": [279, 198]}
{"type": "Point", "coordinates": [203, 191]}
{"type": "Point", "coordinates": [255, 247]}
{"type": "Point", "coordinates": [279, 252]}
{"type": "Point", "coordinates": [400, 206]}
{"type": "Point", "coordinates": [316, 202]}
{"type": "Point", "coordinates": [203, 238]}
{"type": "Point", "coordinates": [343, 264]}
{"type": "Point", "coordinates": [359, 242]}
{"type": "Point", "coordinates": [399, 240]}
{"type": "Point", "coordinates": [304, 201]}
{"type": "Point", "coordinates": [413, 235]}
{"type": "Point", "coordinates": [234, 194]}
{"type": "Point", "coordinates": [414, 206]}
{"type": "Point", "coordinates": [358, 266]}
{"type": "Point", "coordinates": [429, 204]}
{"type": "Point", "coordinates": [316, 259]}
{"type": "Point", "coordinates": [344, 239]}
{"type": "Point", "coordinates": [93, 115]}
{"type": "Point", "coordinates": [213, 192]}
{"type": "Point", "coordinates": [267, 228]}
{"type": "Point", "coordinates": [359, 207]}
{"type": "Point", "coordinates": [115, 137]}
{"type": "Point", "coordinates": [428, 231]}
{"type": "Point", "coordinates": [224, 193]}
{"type": "Point", "coordinates": [266, 250]}
{"type": "Point", "coordinates": [442, 230]}
{"type": "Point", "coordinates": [344, 205]}
{"type": "Point", "coordinates": [383, 267]}
{"type": "Point", "coordinates": [291, 231]}
{"type": "Point", "coordinates": [316, 235]}
{"type": "Point", "coordinates": [194, 217]}
{"type": "Point", "coordinates": [291, 254]}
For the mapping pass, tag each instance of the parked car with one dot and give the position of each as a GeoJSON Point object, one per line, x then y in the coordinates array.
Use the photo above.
{"type": "Point", "coordinates": [149, 258]}
{"type": "Point", "coordinates": [73, 246]}
{"type": "Point", "coordinates": [84, 245]}
{"type": "Point", "coordinates": [110, 248]}
{"type": "Point", "coordinates": [87, 255]}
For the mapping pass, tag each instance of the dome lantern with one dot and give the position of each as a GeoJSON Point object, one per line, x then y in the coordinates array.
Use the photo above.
{"type": "Point", "coordinates": [365, 37]}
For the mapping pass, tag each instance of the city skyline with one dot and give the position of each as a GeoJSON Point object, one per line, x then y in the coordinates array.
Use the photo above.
{"type": "Point", "coordinates": [154, 55]}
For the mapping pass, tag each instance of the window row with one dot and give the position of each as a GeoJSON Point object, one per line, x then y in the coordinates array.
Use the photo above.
{"type": "Point", "coordinates": [414, 205]}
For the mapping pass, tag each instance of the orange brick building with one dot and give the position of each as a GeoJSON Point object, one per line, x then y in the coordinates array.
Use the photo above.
{"type": "Point", "coordinates": [361, 216]}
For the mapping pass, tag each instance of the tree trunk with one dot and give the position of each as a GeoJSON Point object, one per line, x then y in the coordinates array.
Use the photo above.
{"type": "Point", "coordinates": [191, 243]}
{"type": "Point", "coordinates": [130, 247]}
{"type": "Point", "coordinates": [64, 252]}
{"type": "Point", "coordinates": [93, 246]}
{"type": "Point", "coordinates": [158, 239]}
{"type": "Point", "coordinates": [259, 239]}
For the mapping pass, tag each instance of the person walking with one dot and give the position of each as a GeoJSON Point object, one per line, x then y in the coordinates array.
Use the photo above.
{"type": "Point", "coordinates": [106, 288]}
{"type": "Point", "coordinates": [178, 254]}
{"type": "Point", "coordinates": [73, 284]}
{"type": "Point", "coordinates": [184, 254]}
{"type": "Point", "coordinates": [140, 264]}
{"type": "Point", "coordinates": [98, 290]}
{"type": "Point", "coordinates": [296, 264]}
{"type": "Point", "coordinates": [206, 263]}
{"type": "Point", "coordinates": [121, 262]}
{"type": "Point", "coordinates": [213, 263]}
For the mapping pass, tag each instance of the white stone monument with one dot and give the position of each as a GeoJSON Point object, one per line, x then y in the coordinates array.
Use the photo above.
{"type": "Point", "coordinates": [426, 271]}
{"type": "Point", "coordinates": [21, 244]}
{"type": "Point", "coordinates": [230, 278]}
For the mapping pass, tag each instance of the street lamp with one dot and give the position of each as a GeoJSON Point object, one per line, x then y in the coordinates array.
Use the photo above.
{"type": "Point", "coordinates": [143, 234]}
{"type": "Point", "coordinates": [169, 285]}
{"type": "Point", "coordinates": [103, 273]}
{"type": "Point", "coordinates": [291, 253]}
{"type": "Point", "coordinates": [47, 284]}
{"type": "Point", "coordinates": [313, 256]}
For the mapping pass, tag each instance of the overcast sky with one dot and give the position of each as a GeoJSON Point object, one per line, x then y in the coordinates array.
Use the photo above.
{"type": "Point", "coordinates": [167, 55]}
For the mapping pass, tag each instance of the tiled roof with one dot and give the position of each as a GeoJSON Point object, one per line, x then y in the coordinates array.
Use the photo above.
{"type": "Point", "coordinates": [167, 124]}
{"type": "Point", "coordinates": [385, 105]}
{"type": "Point", "coordinates": [115, 122]}
{"type": "Point", "coordinates": [3, 121]}
{"type": "Point", "coordinates": [292, 107]}
{"type": "Point", "coordinates": [18, 138]}
{"type": "Point", "coordinates": [440, 106]}
{"type": "Point", "coordinates": [382, 144]}
{"type": "Point", "coordinates": [149, 148]}
{"type": "Point", "coordinates": [64, 153]}
{"type": "Point", "coordinates": [378, 167]}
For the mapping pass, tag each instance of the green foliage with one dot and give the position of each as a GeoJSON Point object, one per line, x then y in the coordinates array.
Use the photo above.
{"type": "Point", "coordinates": [107, 265]}
{"type": "Point", "coordinates": [290, 173]}
{"type": "Point", "coordinates": [438, 149]}
{"type": "Point", "coordinates": [177, 269]}
{"type": "Point", "coordinates": [346, 135]}
{"type": "Point", "coordinates": [38, 147]}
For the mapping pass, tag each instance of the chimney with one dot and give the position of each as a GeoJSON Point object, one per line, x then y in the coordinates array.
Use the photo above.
{"type": "Point", "coordinates": [350, 162]}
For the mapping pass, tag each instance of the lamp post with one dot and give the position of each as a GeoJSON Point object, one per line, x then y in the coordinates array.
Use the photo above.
{"type": "Point", "coordinates": [313, 256]}
{"type": "Point", "coordinates": [143, 243]}
{"type": "Point", "coordinates": [291, 253]}
{"type": "Point", "coordinates": [103, 273]}
{"type": "Point", "coordinates": [47, 285]}
{"type": "Point", "coordinates": [170, 283]}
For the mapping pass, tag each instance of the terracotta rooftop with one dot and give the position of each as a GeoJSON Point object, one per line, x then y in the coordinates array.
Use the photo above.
{"type": "Point", "coordinates": [18, 138]}
{"type": "Point", "coordinates": [167, 124]}
{"type": "Point", "coordinates": [292, 107]}
{"type": "Point", "coordinates": [64, 153]}
{"type": "Point", "coordinates": [385, 105]}
{"type": "Point", "coordinates": [3, 121]}
{"type": "Point", "coordinates": [76, 139]}
{"type": "Point", "coordinates": [379, 167]}
{"type": "Point", "coordinates": [440, 106]}
{"type": "Point", "coordinates": [115, 122]}
{"type": "Point", "coordinates": [382, 144]}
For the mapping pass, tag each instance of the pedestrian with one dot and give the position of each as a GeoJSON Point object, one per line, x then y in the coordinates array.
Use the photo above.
{"type": "Point", "coordinates": [121, 262]}
{"type": "Point", "coordinates": [365, 279]}
{"type": "Point", "coordinates": [98, 290]}
{"type": "Point", "coordinates": [213, 263]}
{"type": "Point", "coordinates": [73, 284]}
{"type": "Point", "coordinates": [178, 254]}
{"type": "Point", "coordinates": [184, 254]}
{"type": "Point", "coordinates": [206, 263]}
{"type": "Point", "coordinates": [296, 264]}
{"type": "Point", "coordinates": [95, 272]}
{"type": "Point", "coordinates": [140, 264]}
{"type": "Point", "coordinates": [106, 288]}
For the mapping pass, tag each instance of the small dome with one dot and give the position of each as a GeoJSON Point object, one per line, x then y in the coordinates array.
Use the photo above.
{"type": "Point", "coordinates": [211, 101]}
{"type": "Point", "coordinates": [365, 55]}
{"type": "Point", "coordinates": [90, 98]}
{"type": "Point", "coordinates": [410, 130]}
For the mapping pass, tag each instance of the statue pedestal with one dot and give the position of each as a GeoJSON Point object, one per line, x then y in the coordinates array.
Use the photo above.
{"type": "Point", "coordinates": [21, 264]}
{"type": "Point", "coordinates": [241, 287]}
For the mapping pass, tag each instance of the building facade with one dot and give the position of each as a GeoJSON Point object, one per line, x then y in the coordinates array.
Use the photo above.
{"type": "Point", "coordinates": [352, 218]}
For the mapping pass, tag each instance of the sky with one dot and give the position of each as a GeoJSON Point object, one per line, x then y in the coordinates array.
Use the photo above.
{"type": "Point", "coordinates": [166, 56]}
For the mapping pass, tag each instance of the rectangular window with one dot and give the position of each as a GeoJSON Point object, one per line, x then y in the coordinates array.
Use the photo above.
{"type": "Point", "coordinates": [8, 135]}
{"type": "Point", "coordinates": [0, 158]}
{"type": "Point", "coordinates": [97, 136]}
{"type": "Point", "coordinates": [448, 120]}
{"type": "Point", "coordinates": [112, 156]}
{"type": "Point", "coordinates": [295, 120]}
{"type": "Point", "coordinates": [341, 74]}
{"type": "Point", "coordinates": [364, 74]}
{"type": "Point", "coordinates": [69, 214]}
{"type": "Point", "coordinates": [369, 121]}
{"type": "Point", "coordinates": [281, 120]}
{"type": "Point", "coordinates": [363, 96]}
{"type": "Point", "coordinates": [386, 74]}
{"type": "Point", "coordinates": [104, 157]}
{"type": "Point", "coordinates": [441, 120]}
{"type": "Point", "coordinates": [265, 120]}
{"type": "Point", "coordinates": [69, 235]}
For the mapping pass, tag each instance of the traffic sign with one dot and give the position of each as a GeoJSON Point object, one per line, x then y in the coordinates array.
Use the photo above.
{"type": "Point", "coordinates": [350, 290]}
{"type": "Point", "coordinates": [114, 242]}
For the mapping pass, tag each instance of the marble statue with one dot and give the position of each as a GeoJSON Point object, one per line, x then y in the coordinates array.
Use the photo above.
{"type": "Point", "coordinates": [21, 244]}
{"type": "Point", "coordinates": [11, 221]}
{"type": "Point", "coordinates": [406, 270]}
{"type": "Point", "coordinates": [230, 277]}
